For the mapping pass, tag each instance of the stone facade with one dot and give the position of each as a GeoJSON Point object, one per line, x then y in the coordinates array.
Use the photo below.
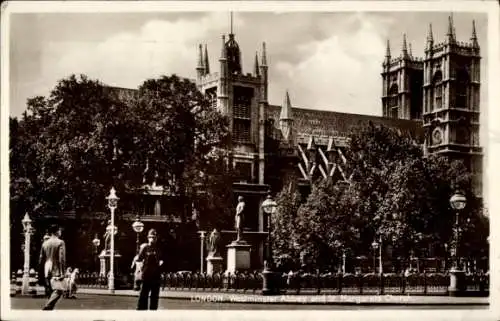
{"type": "Point", "coordinates": [434, 100]}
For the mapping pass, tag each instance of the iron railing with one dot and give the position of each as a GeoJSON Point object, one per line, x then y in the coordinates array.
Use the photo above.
{"type": "Point", "coordinates": [304, 283]}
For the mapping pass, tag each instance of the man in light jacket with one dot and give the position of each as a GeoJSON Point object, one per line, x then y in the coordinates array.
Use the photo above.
{"type": "Point", "coordinates": [53, 258]}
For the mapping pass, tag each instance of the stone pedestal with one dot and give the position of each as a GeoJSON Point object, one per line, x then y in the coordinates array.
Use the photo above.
{"type": "Point", "coordinates": [238, 256]}
{"type": "Point", "coordinates": [457, 282]}
{"type": "Point", "coordinates": [105, 265]}
{"type": "Point", "coordinates": [214, 264]}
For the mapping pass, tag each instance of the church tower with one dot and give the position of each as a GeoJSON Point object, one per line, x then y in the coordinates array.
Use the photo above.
{"type": "Point", "coordinates": [402, 84]}
{"type": "Point", "coordinates": [451, 99]}
{"type": "Point", "coordinates": [243, 98]}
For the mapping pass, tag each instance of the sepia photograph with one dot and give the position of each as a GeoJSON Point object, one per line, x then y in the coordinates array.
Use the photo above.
{"type": "Point", "coordinates": [183, 158]}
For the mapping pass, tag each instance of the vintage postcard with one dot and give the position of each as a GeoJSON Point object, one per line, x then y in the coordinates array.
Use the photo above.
{"type": "Point", "coordinates": [249, 160]}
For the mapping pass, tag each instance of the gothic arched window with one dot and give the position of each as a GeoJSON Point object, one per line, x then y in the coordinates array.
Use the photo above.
{"type": "Point", "coordinates": [437, 91]}
{"type": "Point", "coordinates": [462, 89]}
{"type": "Point", "coordinates": [393, 101]}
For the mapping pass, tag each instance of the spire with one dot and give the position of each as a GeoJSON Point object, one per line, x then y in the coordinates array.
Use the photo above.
{"type": "Point", "coordinates": [200, 58]}
{"type": "Point", "coordinates": [207, 66]}
{"type": "Point", "coordinates": [430, 38]}
{"type": "Point", "coordinates": [223, 50]}
{"type": "Point", "coordinates": [409, 49]}
{"type": "Point", "coordinates": [286, 109]}
{"type": "Point", "coordinates": [451, 30]}
{"type": "Point", "coordinates": [387, 59]}
{"type": "Point", "coordinates": [473, 38]}
{"type": "Point", "coordinates": [231, 23]}
{"type": "Point", "coordinates": [256, 65]}
{"type": "Point", "coordinates": [200, 68]}
{"type": "Point", "coordinates": [264, 58]}
{"type": "Point", "coordinates": [405, 49]}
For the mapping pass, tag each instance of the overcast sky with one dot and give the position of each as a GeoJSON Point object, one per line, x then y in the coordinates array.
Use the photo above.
{"type": "Point", "coordinates": [329, 61]}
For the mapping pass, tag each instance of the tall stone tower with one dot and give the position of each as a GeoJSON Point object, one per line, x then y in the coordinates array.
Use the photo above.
{"type": "Point", "coordinates": [451, 100]}
{"type": "Point", "coordinates": [244, 99]}
{"type": "Point", "coordinates": [402, 84]}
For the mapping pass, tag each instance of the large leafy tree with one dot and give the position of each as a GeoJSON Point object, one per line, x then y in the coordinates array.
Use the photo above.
{"type": "Point", "coordinates": [283, 226]}
{"type": "Point", "coordinates": [395, 193]}
{"type": "Point", "coordinates": [326, 226]}
{"type": "Point", "coordinates": [70, 147]}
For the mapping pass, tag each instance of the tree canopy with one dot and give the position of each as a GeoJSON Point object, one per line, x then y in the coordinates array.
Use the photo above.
{"type": "Point", "coordinates": [396, 194]}
{"type": "Point", "coordinates": [69, 148]}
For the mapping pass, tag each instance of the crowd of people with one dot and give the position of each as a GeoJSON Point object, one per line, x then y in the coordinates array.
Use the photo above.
{"type": "Point", "coordinates": [60, 281]}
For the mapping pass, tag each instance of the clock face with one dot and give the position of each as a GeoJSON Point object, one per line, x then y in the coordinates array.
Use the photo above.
{"type": "Point", "coordinates": [437, 136]}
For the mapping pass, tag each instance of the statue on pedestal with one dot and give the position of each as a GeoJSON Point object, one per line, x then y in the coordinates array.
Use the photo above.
{"type": "Point", "coordinates": [107, 239]}
{"type": "Point", "coordinates": [239, 218]}
{"type": "Point", "coordinates": [213, 243]}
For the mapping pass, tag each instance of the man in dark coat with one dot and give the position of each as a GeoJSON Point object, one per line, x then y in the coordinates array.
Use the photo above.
{"type": "Point", "coordinates": [150, 256]}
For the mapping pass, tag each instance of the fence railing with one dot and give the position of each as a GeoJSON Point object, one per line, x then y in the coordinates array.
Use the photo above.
{"type": "Point", "coordinates": [325, 283]}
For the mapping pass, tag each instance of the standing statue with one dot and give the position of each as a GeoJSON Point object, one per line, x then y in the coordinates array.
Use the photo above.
{"type": "Point", "coordinates": [239, 218]}
{"type": "Point", "coordinates": [213, 243]}
{"type": "Point", "coordinates": [107, 238]}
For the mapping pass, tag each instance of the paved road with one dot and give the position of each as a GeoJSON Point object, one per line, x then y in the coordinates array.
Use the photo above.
{"type": "Point", "coordinates": [103, 302]}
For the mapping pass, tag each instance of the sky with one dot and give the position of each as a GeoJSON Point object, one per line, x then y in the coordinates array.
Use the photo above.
{"type": "Point", "coordinates": [326, 60]}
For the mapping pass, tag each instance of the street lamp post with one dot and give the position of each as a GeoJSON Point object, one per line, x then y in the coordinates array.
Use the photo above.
{"type": "Point", "coordinates": [445, 256]}
{"type": "Point", "coordinates": [380, 267]}
{"type": "Point", "coordinates": [269, 285]}
{"type": "Point", "coordinates": [96, 242]}
{"type": "Point", "coordinates": [112, 204]}
{"type": "Point", "coordinates": [27, 239]}
{"type": "Point", "coordinates": [202, 248]}
{"type": "Point", "coordinates": [457, 202]}
{"type": "Point", "coordinates": [375, 246]}
{"type": "Point", "coordinates": [343, 261]}
{"type": "Point", "coordinates": [138, 227]}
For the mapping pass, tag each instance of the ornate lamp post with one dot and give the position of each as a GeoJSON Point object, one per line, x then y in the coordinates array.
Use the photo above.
{"type": "Point", "coordinates": [457, 202]}
{"type": "Point", "coordinates": [269, 207]}
{"type": "Point", "coordinates": [138, 227]}
{"type": "Point", "coordinates": [27, 239]}
{"type": "Point", "coordinates": [343, 261]}
{"type": "Point", "coordinates": [112, 204]}
{"type": "Point", "coordinates": [375, 247]}
{"type": "Point", "coordinates": [96, 242]}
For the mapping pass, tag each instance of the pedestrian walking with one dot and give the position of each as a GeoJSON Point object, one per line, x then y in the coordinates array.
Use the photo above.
{"type": "Point", "coordinates": [41, 275]}
{"type": "Point", "coordinates": [53, 258]}
{"type": "Point", "coordinates": [150, 256]}
{"type": "Point", "coordinates": [137, 269]}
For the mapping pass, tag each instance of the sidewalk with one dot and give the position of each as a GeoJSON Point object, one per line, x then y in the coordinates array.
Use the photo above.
{"type": "Point", "coordinates": [231, 297]}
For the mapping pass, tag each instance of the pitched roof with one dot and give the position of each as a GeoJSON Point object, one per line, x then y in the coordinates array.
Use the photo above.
{"type": "Point", "coordinates": [335, 124]}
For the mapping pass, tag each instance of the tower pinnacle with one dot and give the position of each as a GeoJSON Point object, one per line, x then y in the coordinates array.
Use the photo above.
{"type": "Point", "coordinates": [473, 38]}
{"type": "Point", "coordinates": [430, 38]}
{"type": "Point", "coordinates": [223, 51]}
{"type": "Point", "coordinates": [451, 30]}
{"type": "Point", "coordinates": [231, 28]}
{"type": "Point", "coordinates": [256, 65]}
{"type": "Point", "coordinates": [207, 66]}
{"type": "Point", "coordinates": [286, 109]}
{"type": "Point", "coordinates": [405, 48]}
{"type": "Point", "coordinates": [264, 57]}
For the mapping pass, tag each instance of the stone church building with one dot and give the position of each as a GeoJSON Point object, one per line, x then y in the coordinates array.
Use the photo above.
{"type": "Point", "coordinates": [433, 98]}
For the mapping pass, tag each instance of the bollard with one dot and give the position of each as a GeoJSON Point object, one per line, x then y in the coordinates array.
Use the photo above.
{"type": "Point", "coordinates": [19, 281]}
{"type": "Point", "coordinates": [33, 282]}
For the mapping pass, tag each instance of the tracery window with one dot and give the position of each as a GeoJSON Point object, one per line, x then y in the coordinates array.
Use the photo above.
{"type": "Point", "coordinates": [437, 88]}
